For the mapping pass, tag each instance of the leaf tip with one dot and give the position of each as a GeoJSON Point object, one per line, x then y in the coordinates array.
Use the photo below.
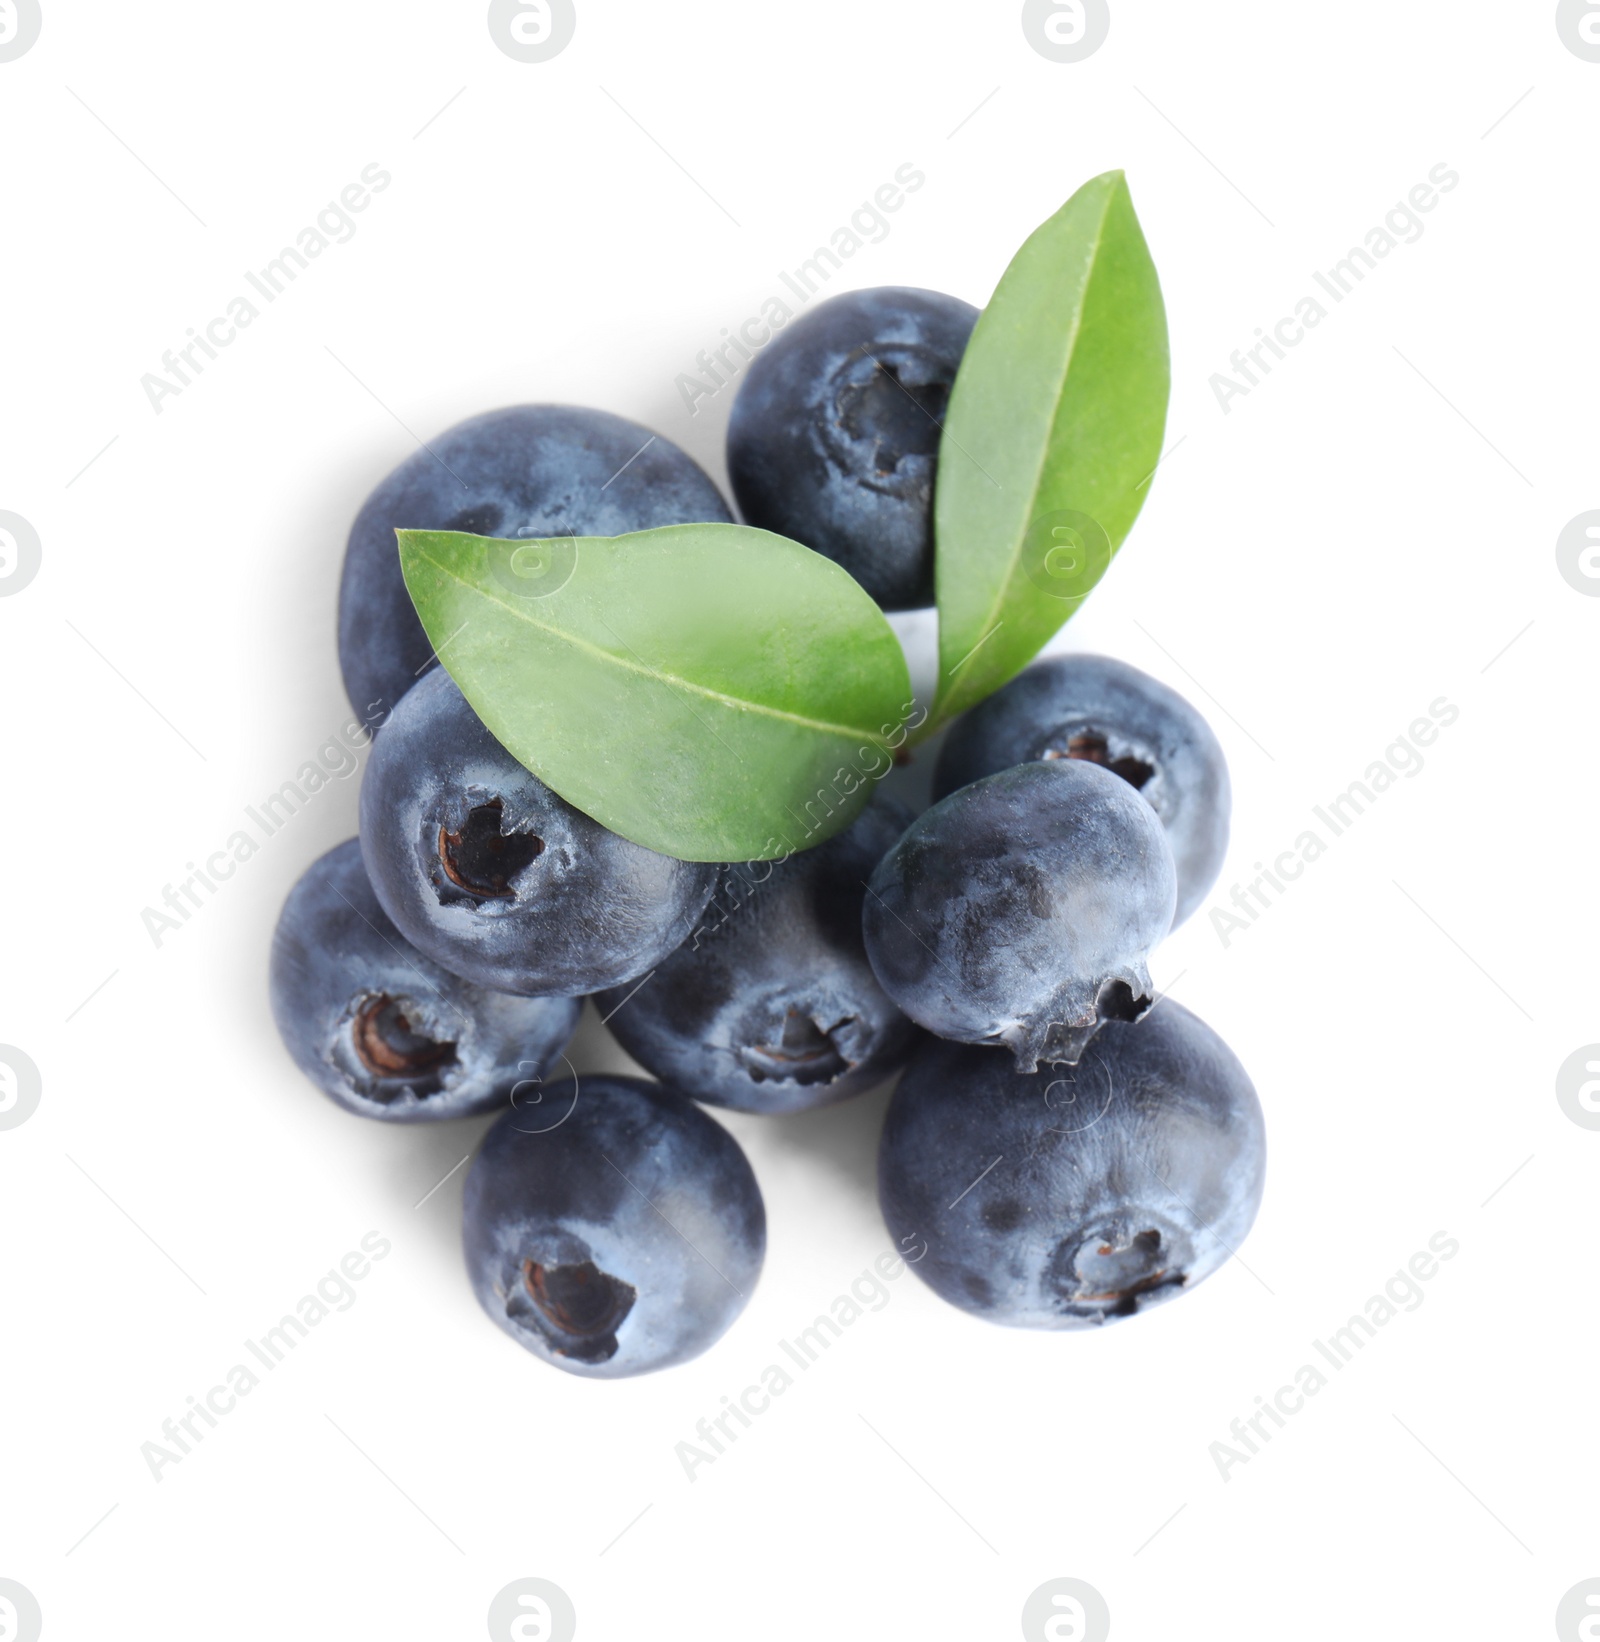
{"type": "Point", "coordinates": [409, 541]}
{"type": "Point", "coordinates": [1114, 181]}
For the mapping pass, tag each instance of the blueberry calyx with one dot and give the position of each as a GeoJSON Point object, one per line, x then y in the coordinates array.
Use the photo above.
{"type": "Point", "coordinates": [1107, 1272]}
{"type": "Point", "coordinates": [1061, 1039]}
{"type": "Point", "coordinates": [806, 1053]}
{"type": "Point", "coordinates": [900, 415]}
{"type": "Point", "coordinates": [579, 1307]}
{"type": "Point", "coordinates": [1096, 748]}
{"type": "Point", "coordinates": [391, 1048]}
{"type": "Point", "coordinates": [481, 859]}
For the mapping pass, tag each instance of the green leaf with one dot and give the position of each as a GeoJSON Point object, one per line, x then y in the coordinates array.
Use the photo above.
{"type": "Point", "coordinates": [1053, 431]}
{"type": "Point", "coordinates": [713, 692]}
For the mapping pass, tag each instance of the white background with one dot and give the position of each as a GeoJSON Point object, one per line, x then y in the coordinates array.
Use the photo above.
{"type": "Point", "coordinates": [1364, 533]}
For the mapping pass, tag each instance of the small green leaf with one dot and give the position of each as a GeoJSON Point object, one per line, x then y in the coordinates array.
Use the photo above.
{"type": "Point", "coordinates": [714, 692]}
{"type": "Point", "coordinates": [1053, 431]}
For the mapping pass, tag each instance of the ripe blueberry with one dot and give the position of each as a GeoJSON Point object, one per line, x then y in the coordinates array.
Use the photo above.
{"type": "Point", "coordinates": [771, 1005]}
{"type": "Point", "coordinates": [834, 437]}
{"type": "Point", "coordinates": [1094, 708]}
{"type": "Point", "coordinates": [530, 470]}
{"type": "Point", "coordinates": [495, 876]}
{"type": "Point", "coordinates": [614, 1229]}
{"type": "Point", "coordinates": [1071, 1197]}
{"type": "Point", "coordinates": [1022, 910]}
{"type": "Point", "coordinates": [386, 1032]}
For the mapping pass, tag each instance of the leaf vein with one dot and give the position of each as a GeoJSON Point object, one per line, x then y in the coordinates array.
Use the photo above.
{"type": "Point", "coordinates": [843, 732]}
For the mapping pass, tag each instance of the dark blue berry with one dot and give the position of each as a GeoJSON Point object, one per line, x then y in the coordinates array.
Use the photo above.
{"type": "Point", "coordinates": [771, 1005]}
{"type": "Point", "coordinates": [1104, 711]}
{"type": "Point", "coordinates": [614, 1228]}
{"type": "Point", "coordinates": [385, 1031]}
{"type": "Point", "coordinates": [834, 437]}
{"type": "Point", "coordinates": [1071, 1197]}
{"type": "Point", "coordinates": [530, 470]}
{"type": "Point", "coordinates": [495, 876]}
{"type": "Point", "coordinates": [1022, 910]}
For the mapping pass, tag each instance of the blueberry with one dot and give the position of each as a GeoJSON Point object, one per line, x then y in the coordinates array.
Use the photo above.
{"type": "Point", "coordinates": [614, 1229]}
{"type": "Point", "coordinates": [1094, 708]}
{"type": "Point", "coordinates": [493, 875]}
{"type": "Point", "coordinates": [1068, 1198]}
{"type": "Point", "coordinates": [1022, 910]}
{"type": "Point", "coordinates": [388, 1033]}
{"type": "Point", "coordinates": [771, 1006]}
{"type": "Point", "coordinates": [834, 437]}
{"type": "Point", "coordinates": [531, 470]}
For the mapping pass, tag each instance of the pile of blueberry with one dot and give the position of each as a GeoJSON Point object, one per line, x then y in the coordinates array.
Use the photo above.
{"type": "Point", "coordinates": [1061, 1150]}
